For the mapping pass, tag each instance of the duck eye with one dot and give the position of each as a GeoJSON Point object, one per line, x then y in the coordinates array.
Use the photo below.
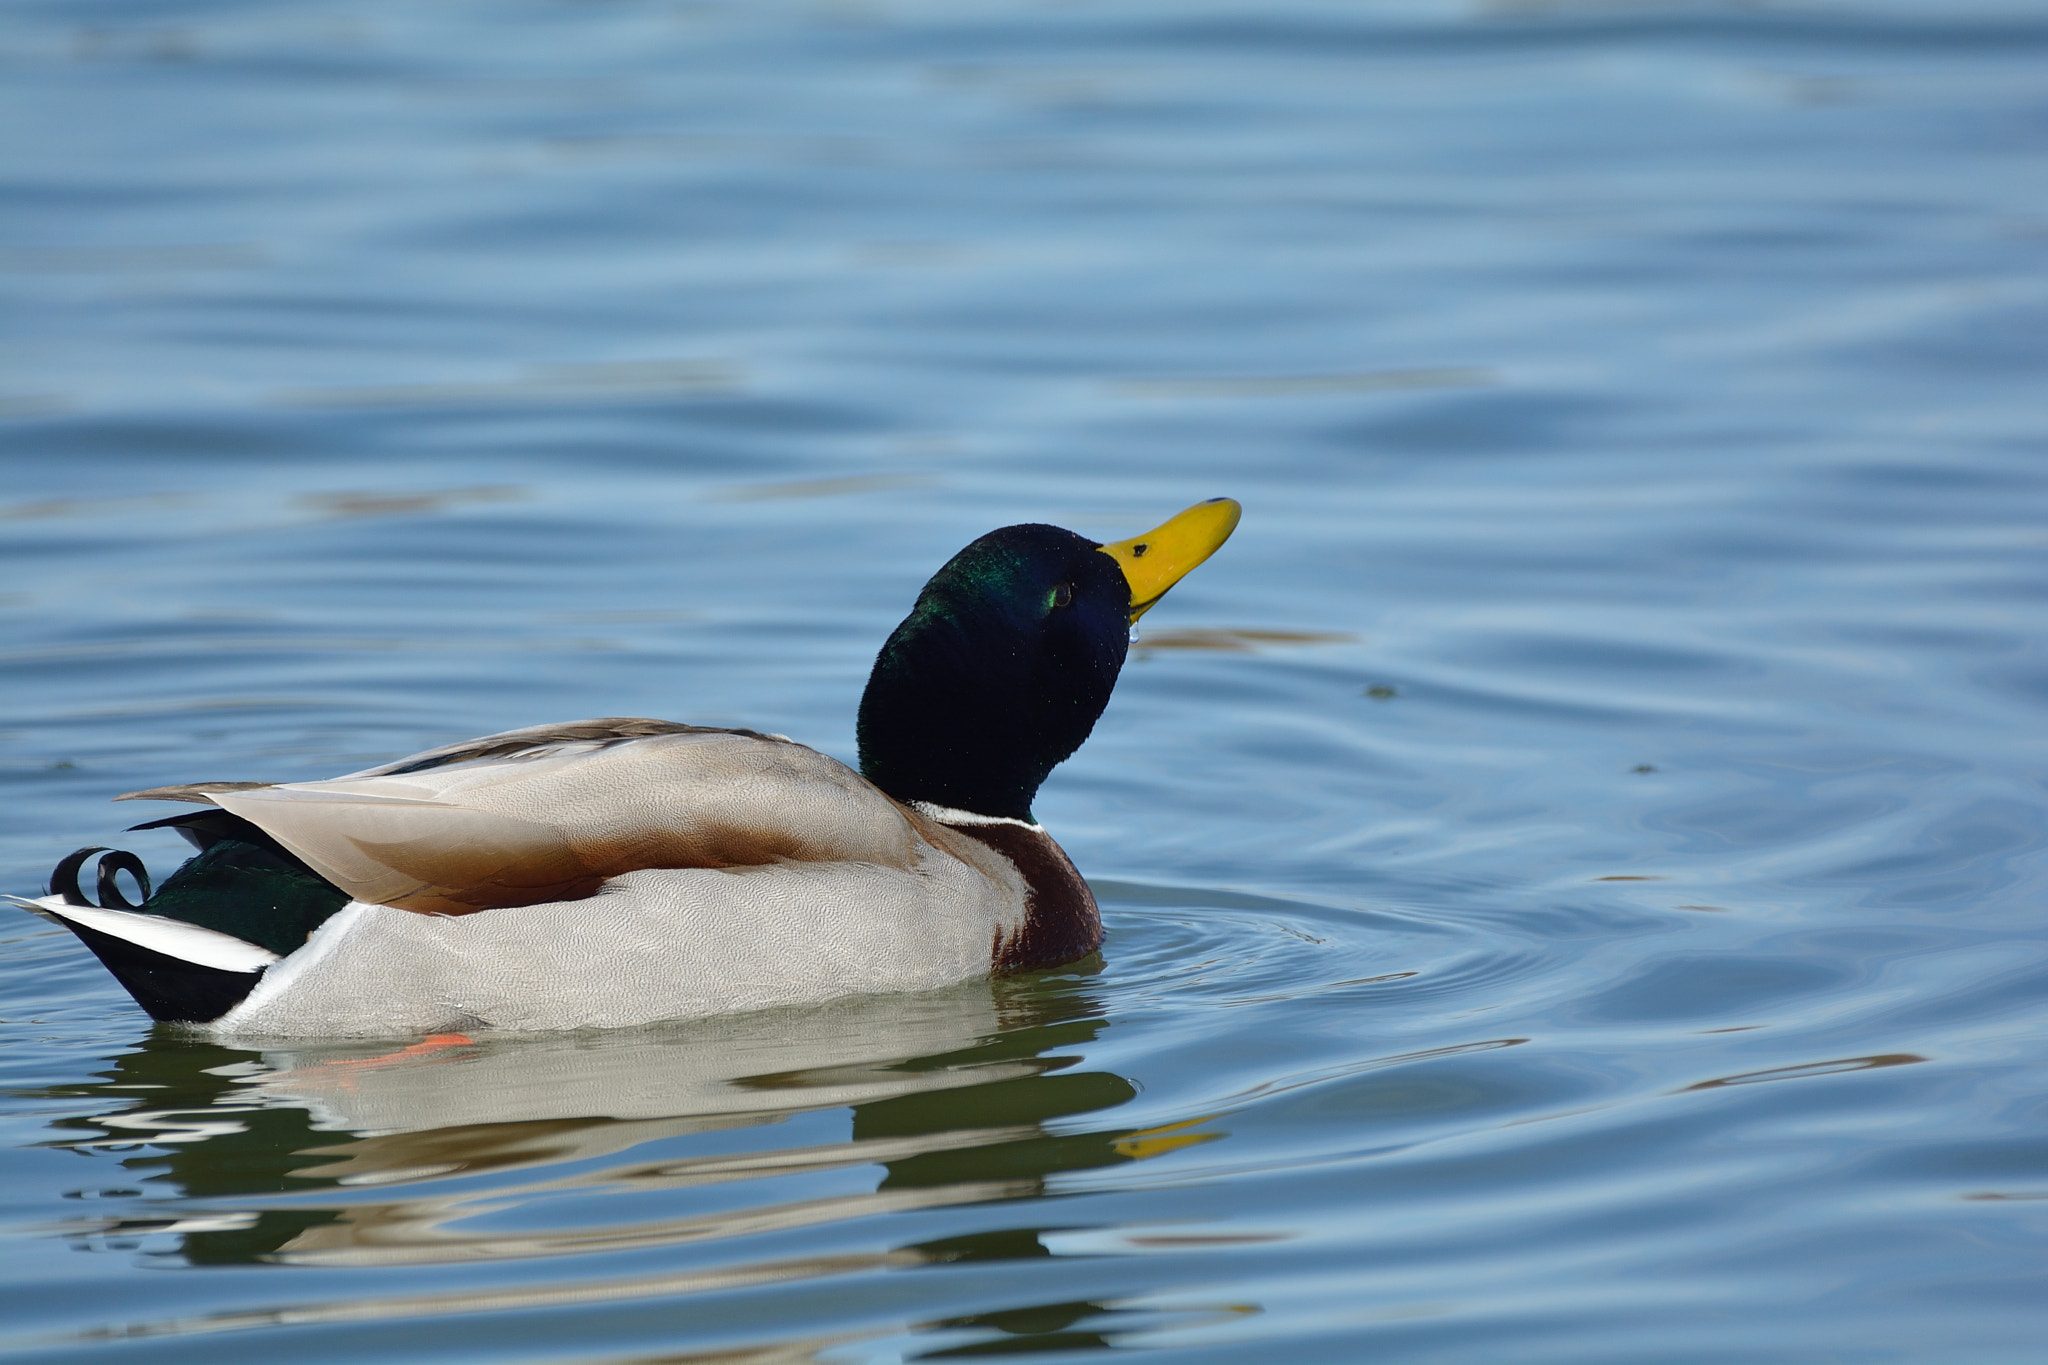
{"type": "Point", "coordinates": [1063, 595]}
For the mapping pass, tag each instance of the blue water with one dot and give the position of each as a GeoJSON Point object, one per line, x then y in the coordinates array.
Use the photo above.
{"type": "Point", "coordinates": [1573, 863]}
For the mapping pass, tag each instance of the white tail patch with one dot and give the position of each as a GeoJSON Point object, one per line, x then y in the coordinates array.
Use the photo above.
{"type": "Point", "coordinates": [172, 938]}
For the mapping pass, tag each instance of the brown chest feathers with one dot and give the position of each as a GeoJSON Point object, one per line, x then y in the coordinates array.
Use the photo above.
{"type": "Point", "coordinates": [1061, 921]}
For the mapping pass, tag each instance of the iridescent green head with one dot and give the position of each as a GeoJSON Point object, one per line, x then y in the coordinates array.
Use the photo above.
{"type": "Point", "coordinates": [1009, 656]}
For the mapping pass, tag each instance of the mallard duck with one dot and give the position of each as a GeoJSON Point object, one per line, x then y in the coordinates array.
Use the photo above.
{"type": "Point", "coordinates": [609, 872]}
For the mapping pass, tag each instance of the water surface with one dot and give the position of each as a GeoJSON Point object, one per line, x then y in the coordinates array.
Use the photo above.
{"type": "Point", "coordinates": [1573, 863]}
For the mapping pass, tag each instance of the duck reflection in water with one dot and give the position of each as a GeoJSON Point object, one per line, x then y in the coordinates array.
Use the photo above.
{"type": "Point", "coordinates": [952, 1094]}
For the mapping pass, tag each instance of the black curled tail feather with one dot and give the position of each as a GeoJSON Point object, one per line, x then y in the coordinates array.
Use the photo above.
{"type": "Point", "coordinates": [64, 877]}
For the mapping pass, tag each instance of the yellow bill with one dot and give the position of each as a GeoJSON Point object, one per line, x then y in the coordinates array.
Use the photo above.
{"type": "Point", "coordinates": [1161, 557]}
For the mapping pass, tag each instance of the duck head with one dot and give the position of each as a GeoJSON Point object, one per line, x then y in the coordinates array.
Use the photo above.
{"type": "Point", "coordinates": [1010, 654]}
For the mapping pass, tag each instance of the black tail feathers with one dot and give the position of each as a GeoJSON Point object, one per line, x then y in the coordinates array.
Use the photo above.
{"type": "Point", "coordinates": [64, 878]}
{"type": "Point", "coordinates": [241, 883]}
{"type": "Point", "coordinates": [169, 987]}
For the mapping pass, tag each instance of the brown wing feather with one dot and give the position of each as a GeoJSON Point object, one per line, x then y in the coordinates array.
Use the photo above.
{"type": "Point", "coordinates": [424, 856]}
{"type": "Point", "coordinates": [505, 744]}
{"type": "Point", "coordinates": [514, 743]}
{"type": "Point", "coordinates": [198, 793]}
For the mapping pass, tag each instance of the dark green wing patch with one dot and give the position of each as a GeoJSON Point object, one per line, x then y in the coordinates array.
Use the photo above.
{"type": "Point", "coordinates": [251, 892]}
{"type": "Point", "coordinates": [246, 884]}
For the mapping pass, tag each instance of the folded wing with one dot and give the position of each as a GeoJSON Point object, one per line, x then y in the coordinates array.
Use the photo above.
{"type": "Point", "coordinates": [551, 813]}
